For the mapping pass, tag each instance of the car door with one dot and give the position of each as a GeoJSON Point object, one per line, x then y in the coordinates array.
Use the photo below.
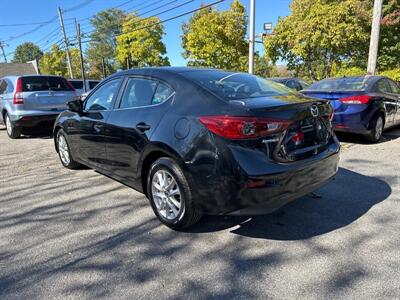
{"type": "Point", "coordinates": [88, 130]}
{"type": "Point", "coordinates": [396, 92]}
{"type": "Point", "coordinates": [383, 89]}
{"type": "Point", "coordinates": [131, 124]}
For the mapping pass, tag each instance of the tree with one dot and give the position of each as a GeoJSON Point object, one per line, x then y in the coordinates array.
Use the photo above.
{"type": "Point", "coordinates": [319, 35]}
{"type": "Point", "coordinates": [389, 43]}
{"type": "Point", "coordinates": [102, 42]}
{"type": "Point", "coordinates": [54, 62]}
{"type": "Point", "coordinates": [26, 52]}
{"type": "Point", "coordinates": [141, 42]}
{"type": "Point", "coordinates": [215, 38]}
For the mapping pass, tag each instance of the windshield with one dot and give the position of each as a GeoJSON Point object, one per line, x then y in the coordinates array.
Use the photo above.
{"type": "Point", "coordinates": [44, 83]}
{"type": "Point", "coordinates": [339, 84]}
{"type": "Point", "coordinates": [235, 86]}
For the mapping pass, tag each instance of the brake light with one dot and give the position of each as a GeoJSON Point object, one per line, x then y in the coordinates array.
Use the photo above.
{"type": "Point", "coordinates": [18, 96]}
{"type": "Point", "coordinates": [356, 99]}
{"type": "Point", "coordinates": [243, 127]}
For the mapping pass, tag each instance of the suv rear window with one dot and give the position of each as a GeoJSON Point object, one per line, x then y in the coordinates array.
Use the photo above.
{"type": "Point", "coordinates": [235, 86]}
{"type": "Point", "coordinates": [78, 85]}
{"type": "Point", "coordinates": [44, 83]}
{"type": "Point", "coordinates": [92, 84]}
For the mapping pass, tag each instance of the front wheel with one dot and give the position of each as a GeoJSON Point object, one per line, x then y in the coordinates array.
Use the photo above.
{"type": "Point", "coordinates": [64, 151]}
{"type": "Point", "coordinates": [13, 131]}
{"type": "Point", "coordinates": [170, 195]}
{"type": "Point", "coordinates": [376, 129]}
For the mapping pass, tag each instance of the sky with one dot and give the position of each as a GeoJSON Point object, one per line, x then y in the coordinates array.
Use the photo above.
{"type": "Point", "coordinates": [23, 13]}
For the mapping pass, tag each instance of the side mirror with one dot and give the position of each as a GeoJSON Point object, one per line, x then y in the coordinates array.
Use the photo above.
{"type": "Point", "coordinates": [75, 106]}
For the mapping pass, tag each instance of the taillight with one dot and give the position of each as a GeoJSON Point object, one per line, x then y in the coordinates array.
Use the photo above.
{"type": "Point", "coordinates": [243, 127]}
{"type": "Point", "coordinates": [356, 99]}
{"type": "Point", "coordinates": [18, 96]}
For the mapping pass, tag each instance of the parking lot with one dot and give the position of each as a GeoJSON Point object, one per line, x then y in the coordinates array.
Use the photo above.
{"type": "Point", "coordinates": [78, 234]}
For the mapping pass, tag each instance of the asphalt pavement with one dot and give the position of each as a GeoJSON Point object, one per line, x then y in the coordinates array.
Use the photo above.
{"type": "Point", "coordinates": [77, 234]}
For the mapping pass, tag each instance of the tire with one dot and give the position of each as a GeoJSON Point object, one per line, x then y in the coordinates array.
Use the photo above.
{"type": "Point", "coordinates": [173, 205]}
{"type": "Point", "coordinates": [64, 152]}
{"type": "Point", "coordinates": [377, 126]}
{"type": "Point", "coordinates": [13, 131]}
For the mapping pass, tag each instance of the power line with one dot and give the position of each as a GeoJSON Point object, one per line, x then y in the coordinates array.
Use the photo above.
{"type": "Point", "coordinates": [166, 20]}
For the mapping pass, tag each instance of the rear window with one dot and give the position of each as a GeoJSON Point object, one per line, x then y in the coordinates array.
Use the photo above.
{"type": "Point", "coordinates": [235, 86]}
{"type": "Point", "coordinates": [92, 84]}
{"type": "Point", "coordinates": [339, 84]}
{"type": "Point", "coordinates": [44, 83]}
{"type": "Point", "coordinates": [78, 85]}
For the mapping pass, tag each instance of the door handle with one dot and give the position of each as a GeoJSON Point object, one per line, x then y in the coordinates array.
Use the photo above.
{"type": "Point", "coordinates": [143, 127]}
{"type": "Point", "coordinates": [98, 127]}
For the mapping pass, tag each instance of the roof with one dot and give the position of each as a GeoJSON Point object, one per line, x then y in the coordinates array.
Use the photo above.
{"type": "Point", "coordinates": [9, 69]}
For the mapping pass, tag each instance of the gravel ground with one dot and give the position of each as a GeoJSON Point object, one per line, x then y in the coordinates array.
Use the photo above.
{"type": "Point", "coordinates": [78, 234]}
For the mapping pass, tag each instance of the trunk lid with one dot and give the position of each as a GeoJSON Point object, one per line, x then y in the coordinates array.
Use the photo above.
{"type": "Point", "coordinates": [309, 129]}
{"type": "Point", "coordinates": [333, 97]}
{"type": "Point", "coordinates": [46, 93]}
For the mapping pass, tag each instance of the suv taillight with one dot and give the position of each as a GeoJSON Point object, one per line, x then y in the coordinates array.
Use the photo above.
{"type": "Point", "coordinates": [243, 127]}
{"type": "Point", "coordinates": [356, 99]}
{"type": "Point", "coordinates": [18, 96]}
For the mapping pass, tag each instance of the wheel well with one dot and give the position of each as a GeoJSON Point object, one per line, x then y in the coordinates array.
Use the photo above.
{"type": "Point", "coordinates": [3, 114]}
{"type": "Point", "coordinates": [148, 161]}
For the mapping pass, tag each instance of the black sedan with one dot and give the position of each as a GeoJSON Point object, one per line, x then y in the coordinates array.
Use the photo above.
{"type": "Point", "coordinates": [200, 141]}
{"type": "Point", "coordinates": [296, 84]}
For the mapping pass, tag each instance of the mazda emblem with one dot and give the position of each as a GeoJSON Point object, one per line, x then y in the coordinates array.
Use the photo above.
{"type": "Point", "coordinates": [314, 111]}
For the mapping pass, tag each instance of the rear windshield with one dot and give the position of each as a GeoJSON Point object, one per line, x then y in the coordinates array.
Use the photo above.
{"type": "Point", "coordinates": [78, 85]}
{"type": "Point", "coordinates": [339, 84]}
{"type": "Point", "coordinates": [235, 86]}
{"type": "Point", "coordinates": [92, 84]}
{"type": "Point", "coordinates": [44, 83]}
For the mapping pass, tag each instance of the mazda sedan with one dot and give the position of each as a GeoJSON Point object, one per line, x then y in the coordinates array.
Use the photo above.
{"type": "Point", "coordinates": [201, 141]}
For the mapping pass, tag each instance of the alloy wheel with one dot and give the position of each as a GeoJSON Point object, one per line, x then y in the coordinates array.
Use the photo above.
{"type": "Point", "coordinates": [8, 125]}
{"type": "Point", "coordinates": [166, 195]}
{"type": "Point", "coordinates": [378, 128]}
{"type": "Point", "coordinates": [63, 150]}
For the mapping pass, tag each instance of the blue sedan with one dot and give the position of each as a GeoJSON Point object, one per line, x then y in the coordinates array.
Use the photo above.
{"type": "Point", "coordinates": [364, 105]}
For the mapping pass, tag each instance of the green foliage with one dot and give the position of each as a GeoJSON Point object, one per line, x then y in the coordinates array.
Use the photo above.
{"type": "Point", "coordinates": [348, 71]}
{"type": "Point", "coordinates": [319, 34]}
{"type": "Point", "coordinates": [54, 62]}
{"type": "Point", "coordinates": [216, 39]}
{"type": "Point", "coordinates": [393, 74]}
{"type": "Point", "coordinates": [263, 67]}
{"type": "Point", "coordinates": [26, 52]}
{"type": "Point", "coordinates": [103, 45]}
{"type": "Point", "coordinates": [141, 43]}
{"type": "Point", "coordinates": [389, 44]}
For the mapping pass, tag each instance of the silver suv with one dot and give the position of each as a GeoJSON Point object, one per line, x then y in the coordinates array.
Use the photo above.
{"type": "Point", "coordinates": [32, 100]}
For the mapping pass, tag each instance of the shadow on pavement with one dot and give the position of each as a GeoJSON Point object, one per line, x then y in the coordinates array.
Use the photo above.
{"type": "Point", "coordinates": [342, 202]}
{"type": "Point", "coordinates": [390, 134]}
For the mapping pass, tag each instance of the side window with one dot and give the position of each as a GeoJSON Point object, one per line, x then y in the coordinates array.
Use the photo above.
{"type": "Point", "coordinates": [163, 92]}
{"type": "Point", "coordinates": [3, 86]}
{"type": "Point", "coordinates": [102, 98]}
{"type": "Point", "coordinates": [382, 86]}
{"type": "Point", "coordinates": [293, 84]}
{"type": "Point", "coordinates": [395, 87]}
{"type": "Point", "coordinates": [138, 92]}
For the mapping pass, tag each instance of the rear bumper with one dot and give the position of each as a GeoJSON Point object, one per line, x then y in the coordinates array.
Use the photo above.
{"type": "Point", "coordinates": [231, 195]}
{"type": "Point", "coordinates": [356, 121]}
{"type": "Point", "coordinates": [37, 120]}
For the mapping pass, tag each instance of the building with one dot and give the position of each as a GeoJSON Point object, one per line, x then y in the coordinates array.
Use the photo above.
{"type": "Point", "coordinates": [8, 69]}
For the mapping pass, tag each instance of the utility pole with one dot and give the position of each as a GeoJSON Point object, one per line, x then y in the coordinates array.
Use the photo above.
{"type": "Point", "coordinates": [78, 38]}
{"type": "Point", "coordinates": [2, 50]}
{"type": "Point", "coordinates": [60, 16]}
{"type": "Point", "coordinates": [252, 36]}
{"type": "Point", "coordinates": [374, 40]}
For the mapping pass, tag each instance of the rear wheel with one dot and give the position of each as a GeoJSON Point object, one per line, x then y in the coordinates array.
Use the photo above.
{"type": "Point", "coordinates": [170, 195]}
{"type": "Point", "coordinates": [64, 151]}
{"type": "Point", "coordinates": [376, 129]}
{"type": "Point", "coordinates": [13, 131]}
